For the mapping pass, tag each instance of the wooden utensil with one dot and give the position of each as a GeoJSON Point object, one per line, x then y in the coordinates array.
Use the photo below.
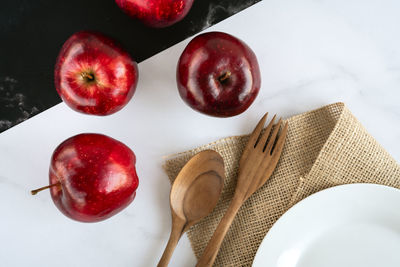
{"type": "Point", "coordinates": [194, 194]}
{"type": "Point", "coordinates": [256, 165]}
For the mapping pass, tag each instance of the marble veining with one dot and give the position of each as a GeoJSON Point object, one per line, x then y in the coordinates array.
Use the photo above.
{"type": "Point", "coordinates": [15, 101]}
{"type": "Point", "coordinates": [227, 7]}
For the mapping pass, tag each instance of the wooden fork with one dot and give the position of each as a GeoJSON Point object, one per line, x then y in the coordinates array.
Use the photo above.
{"type": "Point", "coordinates": [256, 165]}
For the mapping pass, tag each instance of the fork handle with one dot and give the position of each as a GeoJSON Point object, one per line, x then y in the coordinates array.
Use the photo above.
{"type": "Point", "coordinates": [213, 246]}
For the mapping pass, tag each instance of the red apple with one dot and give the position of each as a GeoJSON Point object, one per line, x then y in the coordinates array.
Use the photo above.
{"type": "Point", "coordinates": [218, 75]}
{"type": "Point", "coordinates": [94, 75]}
{"type": "Point", "coordinates": [156, 13]}
{"type": "Point", "coordinates": [92, 177]}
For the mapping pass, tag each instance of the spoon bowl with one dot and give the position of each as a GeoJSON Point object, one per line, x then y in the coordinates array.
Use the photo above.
{"type": "Point", "coordinates": [194, 194]}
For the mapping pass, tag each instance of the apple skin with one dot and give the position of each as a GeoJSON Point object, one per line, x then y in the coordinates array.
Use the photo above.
{"type": "Point", "coordinates": [218, 75]}
{"type": "Point", "coordinates": [94, 75]}
{"type": "Point", "coordinates": [95, 177]}
{"type": "Point", "coordinates": [156, 13]}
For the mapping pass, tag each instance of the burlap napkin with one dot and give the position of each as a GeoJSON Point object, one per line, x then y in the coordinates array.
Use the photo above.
{"type": "Point", "coordinates": [324, 148]}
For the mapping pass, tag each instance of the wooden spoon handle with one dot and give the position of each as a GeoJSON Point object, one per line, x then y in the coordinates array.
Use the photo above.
{"type": "Point", "coordinates": [211, 251]}
{"type": "Point", "coordinates": [176, 233]}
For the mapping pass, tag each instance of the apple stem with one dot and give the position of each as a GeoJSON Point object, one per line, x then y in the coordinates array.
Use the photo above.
{"type": "Point", "coordinates": [89, 77]}
{"type": "Point", "coordinates": [34, 192]}
{"type": "Point", "coordinates": [224, 76]}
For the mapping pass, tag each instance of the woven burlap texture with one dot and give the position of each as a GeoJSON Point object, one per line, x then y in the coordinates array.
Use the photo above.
{"type": "Point", "coordinates": [324, 148]}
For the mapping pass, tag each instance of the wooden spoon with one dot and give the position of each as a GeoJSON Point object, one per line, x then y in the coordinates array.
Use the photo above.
{"type": "Point", "coordinates": [194, 194]}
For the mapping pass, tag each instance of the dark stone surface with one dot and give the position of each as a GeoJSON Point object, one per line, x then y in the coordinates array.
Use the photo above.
{"type": "Point", "coordinates": [32, 33]}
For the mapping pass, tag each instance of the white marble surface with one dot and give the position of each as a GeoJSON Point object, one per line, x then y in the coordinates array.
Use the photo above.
{"type": "Point", "coordinates": [311, 53]}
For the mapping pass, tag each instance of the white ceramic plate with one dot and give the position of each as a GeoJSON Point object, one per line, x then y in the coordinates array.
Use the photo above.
{"type": "Point", "coordinates": [354, 225]}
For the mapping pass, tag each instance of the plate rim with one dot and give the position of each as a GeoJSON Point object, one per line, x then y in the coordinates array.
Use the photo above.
{"type": "Point", "coordinates": [317, 195]}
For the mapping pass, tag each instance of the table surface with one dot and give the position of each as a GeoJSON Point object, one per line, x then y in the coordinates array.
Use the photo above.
{"type": "Point", "coordinates": [311, 53]}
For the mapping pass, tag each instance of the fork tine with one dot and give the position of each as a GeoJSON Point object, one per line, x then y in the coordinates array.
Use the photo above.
{"type": "Point", "coordinates": [281, 140]}
{"type": "Point", "coordinates": [254, 137]}
{"type": "Point", "coordinates": [264, 137]}
{"type": "Point", "coordinates": [276, 154]}
{"type": "Point", "coordinates": [257, 131]}
{"type": "Point", "coordinates": [273, 137]}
